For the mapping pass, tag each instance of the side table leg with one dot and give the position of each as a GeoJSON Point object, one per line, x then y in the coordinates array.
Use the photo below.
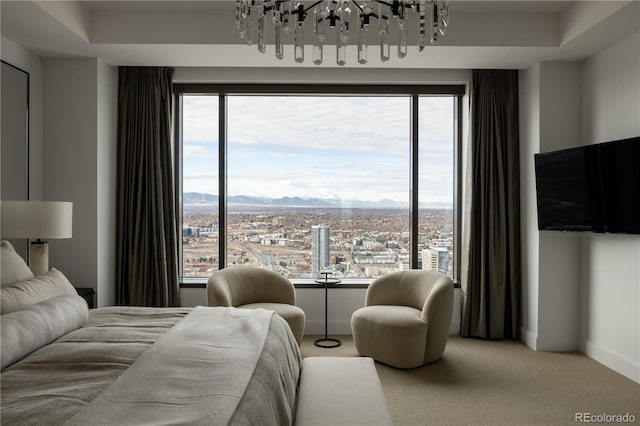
{"type": "Point", "coordinates": [326, 342]}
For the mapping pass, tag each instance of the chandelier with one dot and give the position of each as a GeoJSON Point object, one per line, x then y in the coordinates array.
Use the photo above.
{"type": "Point", "coordinates": [340, 16]}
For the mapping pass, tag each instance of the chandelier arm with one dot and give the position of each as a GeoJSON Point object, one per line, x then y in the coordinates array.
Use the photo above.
{"type": "Point", "coordinates": [359, 7]}
{"type": "Point", "coordinates": [386, 3]}
{"type": "Point", "coordinates": [312, 6]}
{"type": "Point", "coordinates": [355, 3]}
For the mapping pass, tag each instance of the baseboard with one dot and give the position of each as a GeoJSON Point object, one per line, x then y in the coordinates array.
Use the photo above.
{"type": "Point", "coordinates": [529, 338]}
{"type": "Point", "coordinates": [615, 361]}
{"type": "Point", "coordinates": [333, 328]}
{"type": "Point", "coordinates": [455, 327]}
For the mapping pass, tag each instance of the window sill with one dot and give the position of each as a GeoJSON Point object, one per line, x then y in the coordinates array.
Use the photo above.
{"type": "Point", "coordinates": [352, 283]}
{"type": "Point", "coordinates": [202, 283]}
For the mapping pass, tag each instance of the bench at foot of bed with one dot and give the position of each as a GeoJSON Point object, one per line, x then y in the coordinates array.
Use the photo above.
{"type": "Point", "coordinates": [341, 391]}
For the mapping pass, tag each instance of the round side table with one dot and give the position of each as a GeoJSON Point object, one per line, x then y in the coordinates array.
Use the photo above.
{"type": "Point", "coordinates": [327, 342]}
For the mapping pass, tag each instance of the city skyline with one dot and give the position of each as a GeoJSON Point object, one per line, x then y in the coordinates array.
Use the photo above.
{"type": "Point", "coordinates": [300, 242]}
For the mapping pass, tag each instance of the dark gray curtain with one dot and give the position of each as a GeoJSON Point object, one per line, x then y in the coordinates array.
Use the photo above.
{"type": "Point", "coordinates": [147, 250]}
{"type": "Point", "coordinates": [492, 297]}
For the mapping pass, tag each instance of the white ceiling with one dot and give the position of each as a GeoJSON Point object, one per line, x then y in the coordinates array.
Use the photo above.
{"type": "Point", "coordinates": [482, 34]}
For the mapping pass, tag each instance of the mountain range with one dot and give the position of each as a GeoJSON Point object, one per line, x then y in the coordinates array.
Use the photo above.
{"type": "Point", "coordinates": [203, 200]}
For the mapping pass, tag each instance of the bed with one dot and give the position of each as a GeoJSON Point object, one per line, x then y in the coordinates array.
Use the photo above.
{"type": "Point", "coordinates": [65, 364]}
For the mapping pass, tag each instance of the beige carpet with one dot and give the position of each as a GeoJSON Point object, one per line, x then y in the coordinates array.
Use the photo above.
{"type": "Point", "coordinates": [498, 383]}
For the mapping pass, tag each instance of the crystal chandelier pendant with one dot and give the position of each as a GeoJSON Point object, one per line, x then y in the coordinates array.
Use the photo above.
{"type": "Point", "coordinates": [365, 15]}
{"type": "Point", "coordinates": [362, 45]}
{"type": "Point", "coordinates": [279, 46]}
{"type": "Point", "coordinates": [320, 24]}
{"type": "Point", "coordinates": [402, 39]}
{"type": "Point", "coordinates": [243, 20]}
{"type": "Point", "coordinates": [262, 47]}
{"type": "Point", "coordinates": [247, 33]}
{"type": "Point", "coordinates": [320, 32]}
{"type": "Point", "coordinates": [341, 50]}
{"type": "Point", "coordinates": [383, 32]}
{"type": "Point", "coordinates": [402, 31]}
{"type": "Point", "coordinates": [298, 44]}
{"type": "Point", "coordinates": [317, 52]}
{"type": "Point", "coordinates": [435, 23]}
{"type": "Point", "coordinates": [444, 17]}
{"type": "Point", "coordinates": [422, 24]}
{"type": "Point", "coordinates": [239, 15]}
{"type": "Point", "coordinates": [286, 16]}
{"type": "Point", "coordinates": [344, 14]}
{"type": "Point", "coordinates": [385, 47]}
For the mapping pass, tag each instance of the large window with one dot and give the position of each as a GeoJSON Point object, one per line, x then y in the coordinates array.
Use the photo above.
{"type": "Point", "coordinates": [361, 184]}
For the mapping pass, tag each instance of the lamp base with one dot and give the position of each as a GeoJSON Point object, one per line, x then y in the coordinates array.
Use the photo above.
{"type": "Point", "coordinates": [39, 257]}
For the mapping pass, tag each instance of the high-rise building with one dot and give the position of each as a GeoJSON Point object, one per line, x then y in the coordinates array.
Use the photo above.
{"type": "Point", "coordinates": [435, 259]}
{"type": "Point", "coordinates": [191, 232]}
{"type": "Point", "coordinates": [320, 245]}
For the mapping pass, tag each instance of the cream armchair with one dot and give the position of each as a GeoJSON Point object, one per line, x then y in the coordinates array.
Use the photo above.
{"type": "Point", "coordinates": [248, 287]}
{"type": "Point", "coordinates": [406, 319]}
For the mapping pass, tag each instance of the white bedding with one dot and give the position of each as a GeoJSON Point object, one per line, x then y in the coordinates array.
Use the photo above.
{"type": "Point", "coordinates": [159, 366]}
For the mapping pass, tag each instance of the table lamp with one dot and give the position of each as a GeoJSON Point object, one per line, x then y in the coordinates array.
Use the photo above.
{"type": "Point", "coordinates": [39, 220]}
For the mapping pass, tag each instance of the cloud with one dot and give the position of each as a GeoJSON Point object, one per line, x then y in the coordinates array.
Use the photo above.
{"type": "Point", "coordinates": [200, 118]}
{"type": "Point", "coordinates": [190, 150]}
{"type": "Point", "coordinates": [335, 124]}
{"type": "Point", "coordinates": [197, 176]}
{"type": "Point", "coordinates": [323, 146]}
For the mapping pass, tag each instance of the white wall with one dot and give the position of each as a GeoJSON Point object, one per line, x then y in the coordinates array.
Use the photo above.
{"type": "Point", "coordinates": [529, 96]}
{"type": "Point", "coordinates": [70, 102]}
{"type": "Point", "coordinates": [560, 101]}
{"type": "Point", "coordinates": [610, 273]}
{"type": "Point", "coordinates": [79, 147]}
{"type": "Point", "coordinates": [106, 160]}
{"type": "Point", "coordinates": [550, 120]}
{"type": "Point", "coordinates": [321, 75]}
{"type": "Point", "coordinates": [24, 59]}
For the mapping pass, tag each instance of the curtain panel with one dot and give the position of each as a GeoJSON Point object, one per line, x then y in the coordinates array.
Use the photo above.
{"type": "Point", "coordinates": [147, 250]}
{"type": "Point", "coordinates": [492, 295]}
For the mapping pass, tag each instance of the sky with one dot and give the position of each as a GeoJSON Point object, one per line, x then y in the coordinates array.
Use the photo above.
{"type": "Point", "coordinates": [321, 147]}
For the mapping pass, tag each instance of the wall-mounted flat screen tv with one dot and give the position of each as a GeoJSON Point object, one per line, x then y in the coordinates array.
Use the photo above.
{"type": "Point", "coordinates": [590, 188]}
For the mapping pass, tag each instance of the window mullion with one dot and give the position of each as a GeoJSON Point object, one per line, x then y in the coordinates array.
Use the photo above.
{"type": "Point", "coordinates": [222, 180]}
{"type": "Point", "coordinates": [457, 188]}
{"type": "Point", "coordinates": [178, 170]}
{"type": "Point", "coordinates": [413, 245]}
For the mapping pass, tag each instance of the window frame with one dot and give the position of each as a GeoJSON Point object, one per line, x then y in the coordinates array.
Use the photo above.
{"type": "Point", "coordinates": [414, 91]}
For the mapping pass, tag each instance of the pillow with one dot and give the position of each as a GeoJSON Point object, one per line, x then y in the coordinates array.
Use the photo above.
{"type": "Point", "coordinates": [22, 294]}
{"type": "Point", "coordinates": [25, 331]}
{"type": "Point", "coordinates": [13, 267]}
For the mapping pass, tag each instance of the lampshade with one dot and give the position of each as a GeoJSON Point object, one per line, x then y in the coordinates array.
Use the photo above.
{"type": "Point", "coordinates": [37, 219]}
